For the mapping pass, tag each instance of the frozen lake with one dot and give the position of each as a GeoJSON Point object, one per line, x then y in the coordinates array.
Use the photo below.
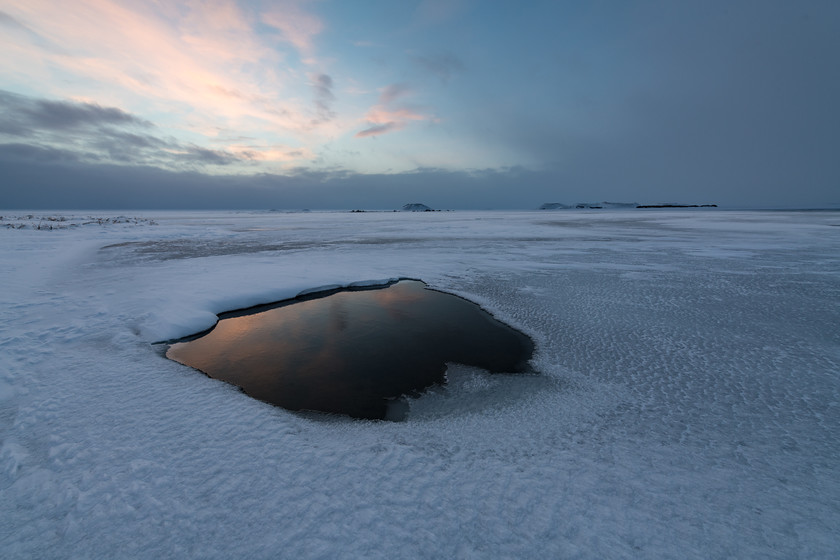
{"type": "Point", "coordinates": [687, 404]}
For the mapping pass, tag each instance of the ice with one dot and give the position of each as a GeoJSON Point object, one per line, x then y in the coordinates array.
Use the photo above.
{"type": "Point", "coordinates": [686, 405]}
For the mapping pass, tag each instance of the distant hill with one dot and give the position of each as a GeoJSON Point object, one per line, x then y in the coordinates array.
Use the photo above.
{"type": "Point", "coordinates": [606, 204]}
{"type": "Point", "coordinates": [677, 206]}
{"type": "Point", "coordinates": [617, 205]}
{"type": "Point", "coordinates": [416, 207]}
{"type": "Point", "coordinates": [561, 206]}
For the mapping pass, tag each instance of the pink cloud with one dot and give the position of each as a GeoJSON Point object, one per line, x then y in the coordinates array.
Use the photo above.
{"type": "Point", "coordinates": [378, 129]}
{"type": "Point", "coordinates": [380, 114]}
{"type": "Point", "coordinates": [297, 26]}
{"type": "Point", "coordinates": [193, 60]}
{"type": "Point", "coordinates": [278, 154]}
{"type": "Point", "coordinates": [385, 117]}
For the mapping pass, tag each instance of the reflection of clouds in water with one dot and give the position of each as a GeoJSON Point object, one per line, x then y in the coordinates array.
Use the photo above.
{"type": "Point", "coordinates": [396, 300]}
{"type": "Point", "coordinates": [338, 315]}
{"type": "Point", "coordinates": [402, 293]}
{"type": "Point", "coordinates": [335, 352]}
{"type": "Point", "coordinates": [301, 340]}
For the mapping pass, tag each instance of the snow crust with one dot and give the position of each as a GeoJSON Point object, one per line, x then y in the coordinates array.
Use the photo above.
{"type": "Point", "coordinates": [686, 406]}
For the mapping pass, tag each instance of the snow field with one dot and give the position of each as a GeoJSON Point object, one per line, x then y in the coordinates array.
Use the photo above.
{"type": "Point", "coordinates": [686, 406]}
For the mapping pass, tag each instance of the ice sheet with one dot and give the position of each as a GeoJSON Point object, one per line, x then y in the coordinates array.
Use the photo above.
{"type": "Point", "coordinates": [687, 403]}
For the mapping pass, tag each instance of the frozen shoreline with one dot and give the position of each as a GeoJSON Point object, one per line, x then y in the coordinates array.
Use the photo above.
{"type": "Point", "coordinates": [688, 401]}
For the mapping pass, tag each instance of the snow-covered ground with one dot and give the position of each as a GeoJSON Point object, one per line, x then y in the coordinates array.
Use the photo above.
{"type": "Point", "coordinates": [688, 403]}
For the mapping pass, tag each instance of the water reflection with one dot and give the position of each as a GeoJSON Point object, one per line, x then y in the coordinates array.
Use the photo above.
{"type": "Point", "coordinates": [354, 352]}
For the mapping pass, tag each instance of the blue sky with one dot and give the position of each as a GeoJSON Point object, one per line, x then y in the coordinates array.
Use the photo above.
{"type": "Point", "coordinates": [462, 104]}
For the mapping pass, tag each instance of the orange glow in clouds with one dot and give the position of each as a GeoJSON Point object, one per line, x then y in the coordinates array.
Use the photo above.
{"type": "Point", "coordinates": [194, 65]}
{"type": "Point", "coordinates": [210, 74]}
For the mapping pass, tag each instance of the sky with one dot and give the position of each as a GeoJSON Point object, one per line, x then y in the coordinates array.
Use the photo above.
{"type": "Point", "coordinates": [453, 103]}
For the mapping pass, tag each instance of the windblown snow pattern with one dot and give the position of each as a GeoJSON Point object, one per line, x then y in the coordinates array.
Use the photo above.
{"type": "Point", "coordinates": [686, 405]}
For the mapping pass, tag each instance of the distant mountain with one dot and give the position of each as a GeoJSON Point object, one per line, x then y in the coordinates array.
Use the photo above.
{"type": "Point", "coordinates": [416, 207]}
{"type": "Point", "coordinates": [613, 205]}
{"type": "Point", "coordinates": [606, 205]}
{"type": "Point", "coordinates": [677, 206]}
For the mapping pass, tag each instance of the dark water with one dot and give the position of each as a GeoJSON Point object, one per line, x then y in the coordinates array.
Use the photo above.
{"type": "Point", "coordinates": [354, 352]}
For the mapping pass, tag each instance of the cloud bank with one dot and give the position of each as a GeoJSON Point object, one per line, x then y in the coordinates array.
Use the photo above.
{"type": "Point", "coordinates": [88, 132]}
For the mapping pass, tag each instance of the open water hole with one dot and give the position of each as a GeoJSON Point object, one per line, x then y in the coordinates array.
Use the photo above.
{"type": "Point", "coordinates": [356, 351]}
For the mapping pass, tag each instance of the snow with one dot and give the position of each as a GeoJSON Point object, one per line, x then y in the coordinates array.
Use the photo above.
{"type": "Point", "coordinates": [686, 405]}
